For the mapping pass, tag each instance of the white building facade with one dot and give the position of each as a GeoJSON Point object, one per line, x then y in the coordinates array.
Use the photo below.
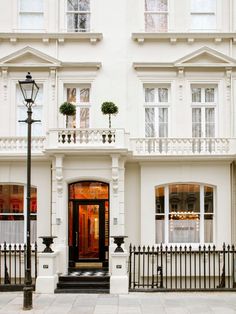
{"type": "Point", "coordinates": [165, 171]}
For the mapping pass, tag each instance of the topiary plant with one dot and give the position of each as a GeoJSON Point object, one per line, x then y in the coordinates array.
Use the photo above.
{"type": "Point", "coordinates": [67, 109]}
{"type": "Point", "coordinates": [109, 108]}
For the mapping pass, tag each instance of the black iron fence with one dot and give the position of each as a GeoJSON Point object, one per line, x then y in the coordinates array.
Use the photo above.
{"type": "Point", "coordinates": [164, 268]}
{"type": "Point", "coordinates": [12, 266]}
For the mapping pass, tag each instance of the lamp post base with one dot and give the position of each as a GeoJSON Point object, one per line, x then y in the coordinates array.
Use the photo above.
{"type": "Point", "coordinates": [28, 297]}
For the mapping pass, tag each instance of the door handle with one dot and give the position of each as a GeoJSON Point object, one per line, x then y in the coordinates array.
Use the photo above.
{"type": "Point", "coordinates": [76, 239]}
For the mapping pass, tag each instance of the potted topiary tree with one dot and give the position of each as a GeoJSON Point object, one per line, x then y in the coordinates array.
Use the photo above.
{"type": "Point", "coordinates": [67, 109]}
{"type": "Point", "coordinates": [109, 108]}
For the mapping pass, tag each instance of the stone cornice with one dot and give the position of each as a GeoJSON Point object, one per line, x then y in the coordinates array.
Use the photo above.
{"type": "Point", "coordinates": [46, 37]}
{"type": "Point", "coordinates": [190, 37]}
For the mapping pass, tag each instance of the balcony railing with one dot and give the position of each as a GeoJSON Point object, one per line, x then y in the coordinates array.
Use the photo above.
{"type": "Point", "coordinates": [86, 138]}
{"type": "Point", "coordinates": [182, 146]}
{"type": "Point", "coordinates": [18, 144]}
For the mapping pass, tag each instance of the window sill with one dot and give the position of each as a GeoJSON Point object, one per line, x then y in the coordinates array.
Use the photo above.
{"type": "Point", "coordinates": [189, 37]}
{"type": "Point", "coordinates": [61, 37]}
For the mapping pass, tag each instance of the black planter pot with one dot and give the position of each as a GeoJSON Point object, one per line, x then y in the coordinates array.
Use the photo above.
{"type": "Point", "coordinates": [47, 240]}
{"type": "Point", "coordinates": [118, 240]}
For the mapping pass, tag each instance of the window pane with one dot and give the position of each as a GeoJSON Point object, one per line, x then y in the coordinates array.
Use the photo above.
{"type": "Point", "coordinates": [203, 5]}
{"type": "Point", "coordinates": [156, 22]}
{"type": "Point", "coordinates": [196, 122]}
{"type": "Point", "coordinates": [84, 5]}
{"type": "Point", "coordinates": [163, 122]}
{"type": "Point", "coordinates": [72, 5]}
{"type": "Point", "coordinates": [31, 21]}
{"type": "Point", "coordinates": [71, 95]}
{"type": "Point", "coordinates": [184, 198]}
{"type": "Point", "coordinates": [149, 94]}
{"type": "Point", "coordinates": [208, 199]}
{"type": "Point", "coordinates": [203, 21]}
{"type": "Point", "coordinates": [33, 201]}
{"type": "Point", "coordinates": [84, 118]}
{"type": "Point", "coordinates": [31, 6]}
{"type": "Point", "coordinates": [209, 95]}
{"type": "Point", "coordinates": [11, 199]}
{"type": "Point", "coordinates": [84, 95]}
{"type": "Point", "coordinates": [210, 122]}
{"type": "Point", "coordinates": [78, 22]}
{"type": "Point", "coordinates": [160, 200]}
{"type": "Point", "coordinates": [149, 122]}
{"type": "Point", "coordinates": [160, 228]}
{"type": "Point", "coordinates": [12, 231]}
{"type": "Point", "coordinates": [208, 228]}
{"type": "Point", "coordinates": [156, 5]}
{"type": "Point", "coordinates": [184, 229]}
{"type": "Point", "coordinates": [196, 94]}
{"type": "Point", "coordinates": [163, 94]}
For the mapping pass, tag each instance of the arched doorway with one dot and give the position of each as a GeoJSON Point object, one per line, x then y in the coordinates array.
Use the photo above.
{"type": "Point", "coordinates": [88, 219]}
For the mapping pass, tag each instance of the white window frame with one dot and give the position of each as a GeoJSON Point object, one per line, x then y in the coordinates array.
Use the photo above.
{"type": "Point", "coordinates": [20, 13]}
{"type": "Point", "coordinates": [24, 209]}
{"type": "Point", "coordinates": [77, 12]}
{"type": "Point", "coordinates": [201, 213]}
{"type": "Point", "coordinates": [203, 105]}
{"type": "Point", "coordinates": [80, 105]}
{"type": "Point", "coordinates": [201, 13]}
{"type": "Point", "coordinates": [157, 12]}
{"type": "Point", "coordinates": [157, 105]}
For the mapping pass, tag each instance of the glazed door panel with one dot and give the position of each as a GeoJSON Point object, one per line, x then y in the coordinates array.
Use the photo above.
{"type": "Point", "coordinates": [87, 231]}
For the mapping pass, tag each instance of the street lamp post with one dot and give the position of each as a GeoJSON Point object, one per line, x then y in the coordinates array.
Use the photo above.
{"type": "Point", "coordinates": [29, 90]}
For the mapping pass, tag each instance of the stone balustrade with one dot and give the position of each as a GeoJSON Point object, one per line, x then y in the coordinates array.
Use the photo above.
{"type": "Point", "coordinates": [86, 138]}
{"type": "Point", "coordinates": [18, 144]}
{"type": "Point", "coordinates": [182, 146]}
{"type": "Point", "coordinates": [118, 139]}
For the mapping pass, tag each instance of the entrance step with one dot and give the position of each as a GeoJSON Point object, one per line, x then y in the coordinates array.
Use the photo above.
{"type": "Point", "coordinates": [84, 281]}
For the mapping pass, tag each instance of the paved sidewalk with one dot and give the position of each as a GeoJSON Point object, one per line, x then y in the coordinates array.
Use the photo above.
{"type": "Point", "coordinates": [134, 303]}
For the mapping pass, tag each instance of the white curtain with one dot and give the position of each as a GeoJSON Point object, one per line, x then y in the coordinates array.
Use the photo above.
{"type": "Point", "coordinates": [156, 5]}
{"type": "Point", "coordinates": [149, 94]}
{"type": "Point", "coordinates": [163, 122]}
{"type": "Point", "coordinates": [160, 231]}
{"type": "Point", "coordinates": [210, 122]}
{"type": "Point", "coordinates": [184, 231]}
{"type": "Point", "coordinates": [208, 230]}
{"type": "Point", "coordinates": [149, 122]}
{"type": "Point", "coordinates": [196, 94]}
{"type": "Point", "coordinates": [163, 94]}
{"type": "Point", "coordinates": [156, 22]}
{"type": "Point", "coordinates": [196, 122]}
{"type": "Point", "coordinates": [209, 95]}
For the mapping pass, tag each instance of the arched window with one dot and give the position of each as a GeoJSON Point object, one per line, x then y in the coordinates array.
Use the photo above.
{"type": "Point", "coordinates": [13, 213]}
{"type": "Point", "coordinates": [184, 213]}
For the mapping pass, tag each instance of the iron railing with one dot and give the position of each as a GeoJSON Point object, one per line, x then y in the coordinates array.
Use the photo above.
{"type": "Point", "coordinates": [12, 265]}
{"type": "Point", "coordinates": [164, 268]}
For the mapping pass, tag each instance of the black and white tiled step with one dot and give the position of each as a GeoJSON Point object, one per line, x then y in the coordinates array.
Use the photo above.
{"type": "Point", "coordinates": [84, 281]}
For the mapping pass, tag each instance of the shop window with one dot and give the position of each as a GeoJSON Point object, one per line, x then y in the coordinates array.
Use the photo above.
{"type": "Point", "coordinates": [13, 213]}
{"type": "Point", "coordinates": [180, 215]}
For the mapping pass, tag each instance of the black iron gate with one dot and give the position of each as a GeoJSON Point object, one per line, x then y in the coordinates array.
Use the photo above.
{"type": "Point", "coordinates": [163, 268]}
